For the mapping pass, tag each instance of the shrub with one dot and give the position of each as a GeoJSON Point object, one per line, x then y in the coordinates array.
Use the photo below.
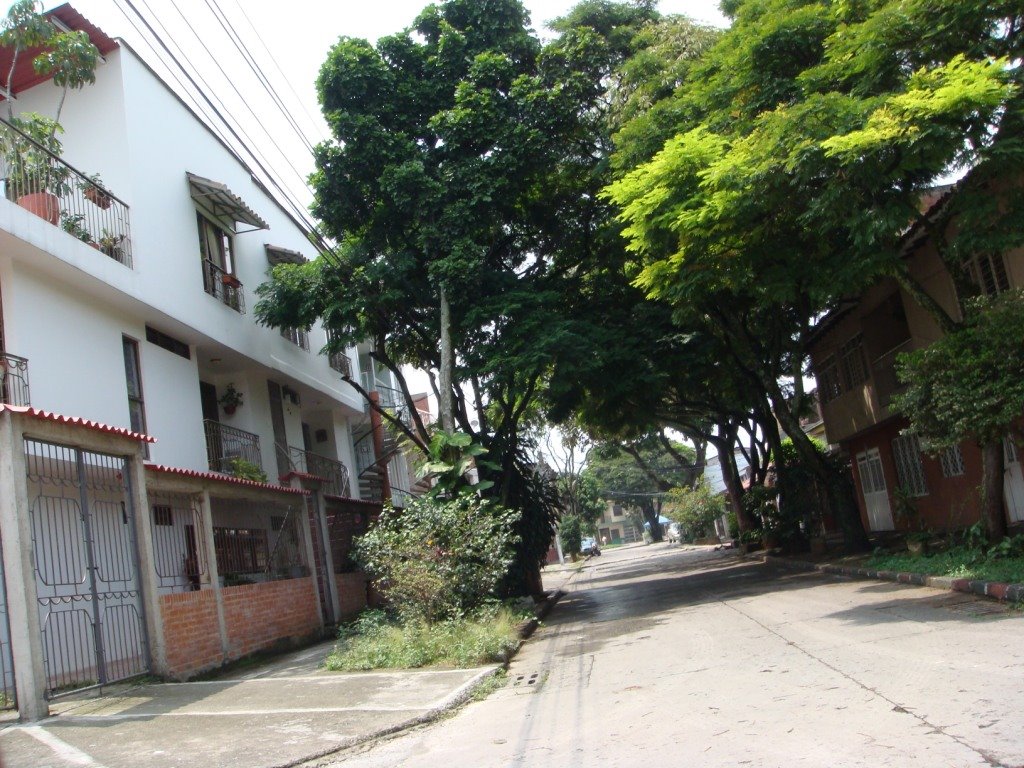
{"type": "Point", "coordinates": [571, 531]}
{"type": "Point", "coordinates": [438, 558]}
{"type": "Point", "coordinates": [696, 510]}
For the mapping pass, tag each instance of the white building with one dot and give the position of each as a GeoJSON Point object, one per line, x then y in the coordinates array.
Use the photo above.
{"type": "Point", "coordinates": [126, 308]}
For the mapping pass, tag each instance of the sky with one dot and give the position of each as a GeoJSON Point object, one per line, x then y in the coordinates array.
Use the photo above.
{"type": "Point", "coordinates": [287, 49]}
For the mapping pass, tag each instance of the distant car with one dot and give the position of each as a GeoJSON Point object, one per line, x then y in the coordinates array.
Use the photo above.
{"type": "Point", "coordinates": [589, 546]}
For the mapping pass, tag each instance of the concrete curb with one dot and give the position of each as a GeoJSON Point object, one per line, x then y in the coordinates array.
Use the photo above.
{"type": "Point", "coordinates": [996, 590]}
{"type": "Point", "coordinates": [455, 699]}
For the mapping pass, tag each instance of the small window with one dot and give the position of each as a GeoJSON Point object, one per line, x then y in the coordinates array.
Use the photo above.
{"type": "Point", "coordinates": [828, 379]}
{"type": "Point", "coordinates": [133, 376]}
{"type": "Point", "coordinates": [171, 344]}
{"type": "Point", "coordinates": [852, 365]}
{"type": "Point", "coordinates": [215, 244]}
{"type": "Point", "coordinates": [909, 471]}
{"type": "Point", "coordinates": [163, 514]}
{"type": "Point", "coordinates": [988, 272]}
{"type": "Point", "coordinates": [952, 461]}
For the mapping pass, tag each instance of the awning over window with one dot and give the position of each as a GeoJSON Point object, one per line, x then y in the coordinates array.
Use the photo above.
{"type": "Point", "coordinates": [277, 255]}
{"type": "Point", "coordinates": [222, 201]}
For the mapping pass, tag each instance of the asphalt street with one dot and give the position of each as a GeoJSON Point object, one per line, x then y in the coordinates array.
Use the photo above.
{"type": "Point", "coordinates": [661, 656]}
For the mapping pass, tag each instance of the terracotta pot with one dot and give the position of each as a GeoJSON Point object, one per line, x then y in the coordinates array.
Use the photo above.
{"type": "Point", "coordinates": [98, 197]}
{"type": "Point", "coordinates": [230, 409]}
{"type": "Point", "coordinates": [42, 204]}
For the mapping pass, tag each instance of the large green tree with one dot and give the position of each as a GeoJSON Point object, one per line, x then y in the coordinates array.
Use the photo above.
{"type": "Point", "coordinates": [805, 140]}
{"type": "Point", "coordinates": [444, 185]}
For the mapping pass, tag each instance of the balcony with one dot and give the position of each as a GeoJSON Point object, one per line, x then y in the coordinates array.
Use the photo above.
{"type": "Point", "coordinates": [883, 371]}
{"type": "Point", "coordinates": [339, 361]}
{"type": "Point", "coordinates": [14, 380]}
{"type": "Point", "coordinates": [227, 446]}
{"type": "Point", "coordinates": [39, 181]}
{"type": "Point", "coordinates": [334, 473]}
{"type": "Point", "coordinates": [224, 286]}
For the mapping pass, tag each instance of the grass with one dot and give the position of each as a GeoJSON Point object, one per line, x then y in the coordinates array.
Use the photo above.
{"type": "Point", "coordinates": [375, 642]}
{"type": "Point", "coordinates": [957, 562]}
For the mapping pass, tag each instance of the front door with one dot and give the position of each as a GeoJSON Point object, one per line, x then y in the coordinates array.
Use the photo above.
{"type": "Point", "coordinates": [876, 495]}
{"type": "Point", "coordinates": [1013, 482]}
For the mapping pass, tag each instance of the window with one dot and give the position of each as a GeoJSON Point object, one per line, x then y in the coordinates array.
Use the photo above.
{"type": "Point", "coordinates": [297, 336]}
{"type": "Point", "coordinates": [163, 514]}
{"type": "Point", "coordinates": [828, 379]}
{"type": "Point", "coordinates": [133, 375]}
{"type": "Point", "coordinates": [338, 360]}
{"type": "Point", "coordinates": [952, 461]}
{"type": "Point", "coordinates": [988, 272]}
{"type": "Point", "coordinates": [616, 510]}
{"type": "Point", "coordinates": [219, 278]}
{"type": "Point", "coordinates": [171, 344]}
{"type": "Point", "coordinates": [852, 365]}
{"type": "Point", "coordinates": [241, 550]}
{"type": "Point", "coordinates": [907, 453]}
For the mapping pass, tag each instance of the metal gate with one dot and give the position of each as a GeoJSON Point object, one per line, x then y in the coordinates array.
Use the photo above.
{"type": "Point", "coordinates": [86, 565]}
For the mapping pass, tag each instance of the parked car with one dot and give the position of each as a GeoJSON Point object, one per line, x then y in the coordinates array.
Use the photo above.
{"type": "Point", "coordinates": [589, 546]}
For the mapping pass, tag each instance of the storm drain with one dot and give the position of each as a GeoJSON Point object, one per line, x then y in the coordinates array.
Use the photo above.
{"type": "Point", "coordinates": [527, 682]}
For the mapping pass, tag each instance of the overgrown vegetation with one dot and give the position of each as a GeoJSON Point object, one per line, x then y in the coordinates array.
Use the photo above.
{"type": "Point", "coordinates": [377, 641]}
{"type": "Point", "coordinates": [968, 559]}
{"type": "Point", "coordinates": [695, 509]}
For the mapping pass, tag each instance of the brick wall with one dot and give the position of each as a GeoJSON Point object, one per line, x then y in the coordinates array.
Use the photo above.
{"type": "Point", "coordinates": [191, 632]}
{"type": "Point", "coordinates": [259, 616]}
{"type": "Point", "coordinates": [351, 593]}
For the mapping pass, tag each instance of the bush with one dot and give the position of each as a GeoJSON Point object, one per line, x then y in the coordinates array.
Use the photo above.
{"type": "Point", "coordinates": [374, 642]}
{"type": "Point", "coordinates": [571, 532]}
{"type": "Point", "coordinates": [695, 510]}
{"type": "Point", "coordinates": [438, 558]}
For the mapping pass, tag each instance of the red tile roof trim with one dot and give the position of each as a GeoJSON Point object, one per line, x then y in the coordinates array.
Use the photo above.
{"type": "Point", "coordinates": [77, 421]}
{"type": "Point", "coordinates": [220, 478]}
{"type": "Point", "coordinates": [301, 476]}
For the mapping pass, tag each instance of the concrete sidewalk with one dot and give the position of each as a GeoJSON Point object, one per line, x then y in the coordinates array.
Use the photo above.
{"type": "Point", "coordinates": [282, 713]}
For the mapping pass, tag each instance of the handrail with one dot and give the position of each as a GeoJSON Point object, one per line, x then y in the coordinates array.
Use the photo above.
{"type": "Point", "coordinates": [14, 389]}
{"type": "Point", "coordinates": [225, 444]}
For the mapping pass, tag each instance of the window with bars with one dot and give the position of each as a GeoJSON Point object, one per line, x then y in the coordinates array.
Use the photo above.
{"type": "Point", "coordinates": [952, 461]}
{"type": "Point", "coordinates": [241, 550]}
{"type": "Point", "coordinates": [297, 336]}
{"type": "Point", "coordinates": [988, 272]}
{"type": "Point", "coordinates": [828, 379]}
{"type": "Point", "coordinates": [906, 450]}
{"type": "Point", "coordinates": [852, 365]}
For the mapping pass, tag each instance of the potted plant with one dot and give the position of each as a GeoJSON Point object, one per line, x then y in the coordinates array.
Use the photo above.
{"type": "Point", "coordinates": [230, 400]}
{"type": "Point", "coordinates": [35, 178]}
{"type": "Point", "coordinates": [230, 280]}
{"type": "Point", "coordinates": [95, 193]}
{"type": "Point", "coordinates": [111, 244]}
{"type": "Point", "coordinates": [74, 225]}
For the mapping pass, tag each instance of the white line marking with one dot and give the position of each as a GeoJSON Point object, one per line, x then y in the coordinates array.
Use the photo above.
{"type": "Point", "coordinates": [62, 749]}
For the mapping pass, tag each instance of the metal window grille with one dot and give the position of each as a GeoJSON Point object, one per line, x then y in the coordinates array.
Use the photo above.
{"type": "Point", "coordinates": [952, 461]}
{"type": "Point", "coordinates": [179, 542]}
{"type": "Point", "coordinates": [907, 453]}
{"type": "Point", "coordinates": [338, 360]}
{"type": "Point", "coordinates": [828, 379]}
{"type": "Point", "coordinates": [241, 550]}
{"type": "Point", "coordinates": [988, 271]}
{"type": "Point", "coordinates": [852, 364]}
{"type": "Point", "coordinates": [297, 336]}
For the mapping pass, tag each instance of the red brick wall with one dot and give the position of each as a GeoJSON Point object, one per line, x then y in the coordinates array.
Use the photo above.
{"type": "Point", "coordinates": [259, 616]}
{"type": "Point", "coordinates": [191, 632]}
{"type": "Point", "coordinates": [351, 593]}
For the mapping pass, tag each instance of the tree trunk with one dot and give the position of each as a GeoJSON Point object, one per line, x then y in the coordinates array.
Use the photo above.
{"type": "Point", "coordinates": [445, 406]}
{"type": "Point", "coordinates": [992, 469]}
{"type": "Point", "coordinates": [651, 516]}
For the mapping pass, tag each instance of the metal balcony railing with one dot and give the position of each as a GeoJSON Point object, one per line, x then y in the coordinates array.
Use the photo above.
{"type": "Point", "coordinates": [40, 181]}
{"type": "Point", "coordinates": [224, 286]}
{"type": "Point", "coordinates": [297, 336]}
{"type": "Point", "coordinates": [226, 445]}
{"type": "Point", "coordinates": [14, 380]}
{"type": "Point", "coordinates": [339, 361]}
{"type": "Point", "coordinates": [334, 473]}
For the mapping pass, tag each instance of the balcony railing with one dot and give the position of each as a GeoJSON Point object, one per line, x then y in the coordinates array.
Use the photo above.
{"type": "Point", "coordinates": [297, 336]}
{"type": "Point", "coordinates": [339, 361]}
{"type": "Point", "coordinates": [334, 473]}
{"type": "Point", "coordinates": [224, 286]}
{"type": "Point", "coordinates": [883, 370]}
{"type": "Point", "coordinates": [39, 181]}
{"type": "Point", "coordinates": [14, 380]}
{"type": "Point", "coordinates": [226, 445]}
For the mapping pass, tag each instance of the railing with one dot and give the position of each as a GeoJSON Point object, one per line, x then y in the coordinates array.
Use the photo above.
{"type": "Point", "coordinates": [339, 361]}
{"type": "Point", "coordinates": [226, 445]}
{"type": "Point", "coordinates": [297, 336]}
{"type": "Point", "coordinates": [39, 181]}
{"type": "Point", "coordinates": [334, 473]}
{"type": "Point", "coordinates": [224, 286]}
{"type": "Point", "coordinates": [14, 380]}
{"type": "Point", "coordinates": [883, 370]}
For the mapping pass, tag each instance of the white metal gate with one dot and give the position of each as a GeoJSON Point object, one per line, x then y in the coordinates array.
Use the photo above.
{"type": "Point", "coordinates": [876, 496]}
{"type": "Point", "coordinates": [1013, 482]}
{"type": "Point", "coordinates": [86, 564]}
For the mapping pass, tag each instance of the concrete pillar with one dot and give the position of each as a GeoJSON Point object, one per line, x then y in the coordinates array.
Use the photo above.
{"type": "Point", "coordinates": [19, 571]}
{"type": "Point", "coordinates": [328, 555]}
{"type": "Point", "coordinates": [206, 514]}
{"type": "Point", "coordinates": [307, 545]}
{"type": "Point", "coordinates": [148, 587]}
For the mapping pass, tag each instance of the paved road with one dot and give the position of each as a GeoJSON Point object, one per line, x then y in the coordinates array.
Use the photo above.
{"type": "Point", "coordinates": [665, 657]}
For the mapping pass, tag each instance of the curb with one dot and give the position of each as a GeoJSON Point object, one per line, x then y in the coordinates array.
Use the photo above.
{"type": "Point", "coordinates": [458, 697]}
{"type": "Point", "coordinates": [996, 590]}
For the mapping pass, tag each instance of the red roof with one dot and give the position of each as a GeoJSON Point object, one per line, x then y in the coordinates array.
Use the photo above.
{"type": "Point", "coordinates": [221, 478]}
{"type": "Point", "coordinates": [25, 76]}
{"type": "Point", "coordinates": [77, 421]}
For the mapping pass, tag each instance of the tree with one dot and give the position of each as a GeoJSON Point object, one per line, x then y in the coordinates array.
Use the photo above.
{"type": "Point", "coordinates": [445, 187]}
{"type": "Point", "coordinates": [805, 140]}
{"type": "Point", "coordinates": [969, 385]}
{"type": "Point", "coordinates": [695, 509]}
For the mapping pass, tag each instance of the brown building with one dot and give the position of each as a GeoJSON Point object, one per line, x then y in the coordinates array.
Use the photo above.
{"type": "Point", "coordinates": [853, 358]}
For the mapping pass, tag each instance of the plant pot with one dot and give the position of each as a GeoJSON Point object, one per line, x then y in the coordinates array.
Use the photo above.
{"type": "Point", "coordinates": [96, 196]}
{"type": "Point", "coordinates": [42, 204]}
{"type": "Point", "coordinates": [230, 281]}
{"type": "Point", "coordinates": [230, 409]}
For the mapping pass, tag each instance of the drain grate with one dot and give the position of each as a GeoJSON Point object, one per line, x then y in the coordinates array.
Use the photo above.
{"type": "Point", "coordinates": [527, 682]}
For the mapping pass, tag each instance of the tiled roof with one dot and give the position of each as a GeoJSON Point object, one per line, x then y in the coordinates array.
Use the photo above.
{"type": "Point", "coordinates": [77, 421]}
{"type": "Point", "coordinates": [221, 478]}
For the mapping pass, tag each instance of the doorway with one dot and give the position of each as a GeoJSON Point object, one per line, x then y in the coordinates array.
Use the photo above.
{"type": "Point", "coordinates": [876, 495]}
